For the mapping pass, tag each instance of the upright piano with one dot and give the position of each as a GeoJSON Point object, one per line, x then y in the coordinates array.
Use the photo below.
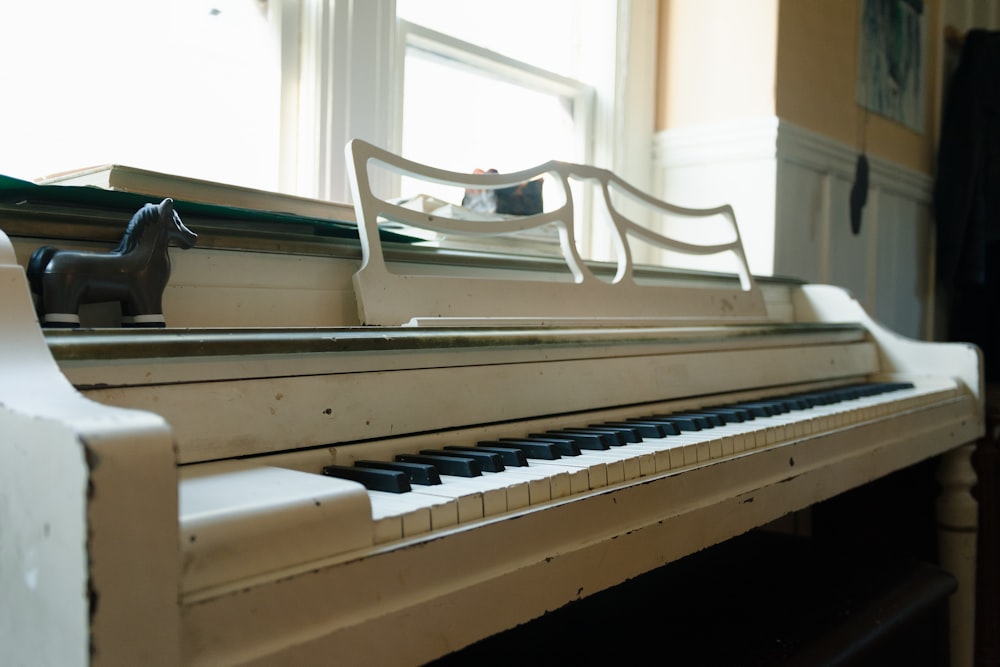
{"type": "Point", "coordinates": [254, 483]}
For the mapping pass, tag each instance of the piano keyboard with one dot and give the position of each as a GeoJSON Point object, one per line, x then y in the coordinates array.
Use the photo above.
{"type": "Point", "coordinates": [591, 456]}
{"type": "Point", "coordinates": [445, 486]}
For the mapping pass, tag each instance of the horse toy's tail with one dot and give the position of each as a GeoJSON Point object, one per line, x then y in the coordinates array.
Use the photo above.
{"type": "Point", "coordinates": [36, 267]}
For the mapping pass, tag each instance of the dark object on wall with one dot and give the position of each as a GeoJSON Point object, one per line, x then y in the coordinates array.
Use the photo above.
{"type": "Point", "coordinates": [859, 192]}
{"type": "Point", "coordinates": [133, 274]}
{"type": "Point", "coordinates": [967, 198]}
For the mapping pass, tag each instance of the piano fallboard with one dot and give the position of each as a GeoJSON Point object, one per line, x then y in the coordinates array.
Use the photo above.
{"type": "Point", "coordinates": [351, 385]}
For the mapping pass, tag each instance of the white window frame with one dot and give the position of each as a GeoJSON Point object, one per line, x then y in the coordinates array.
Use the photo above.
{"type": "Point", "coordinates": [342, 63]}
{"type": "Point", "coordinates": [480, 60]}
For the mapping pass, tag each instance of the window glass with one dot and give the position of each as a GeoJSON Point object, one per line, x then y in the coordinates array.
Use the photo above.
{"type": "Point", "coordinates": [188, 87]}
{"type": "Point", "coordinates": [515, 105]}
{"type": "Point", "coordinates": [478, 122]}
{"type": "Point", "coordinates": [544, 34]}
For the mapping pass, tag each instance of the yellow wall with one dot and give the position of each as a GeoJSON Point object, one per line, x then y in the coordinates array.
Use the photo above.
{"type": "Point", "coordinates": [716, 60]}
{"type": "Point", "coordinates": [816, 74]}
{"type": "Point", "coordinates": [796, 59]}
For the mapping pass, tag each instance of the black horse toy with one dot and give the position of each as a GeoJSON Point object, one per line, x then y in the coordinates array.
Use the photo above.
{"type": "Point", "coordinates": [133, 274]}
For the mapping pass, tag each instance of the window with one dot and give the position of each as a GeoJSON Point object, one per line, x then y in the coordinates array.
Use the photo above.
{"type": "Point", "coordinates": [464, 107]}
{"type": "Point", "coordinates": [266, 93]}
{"type": "Point", "coordinates": [183, 87]}
{"type": "Point", "coordinates": [471, 92]}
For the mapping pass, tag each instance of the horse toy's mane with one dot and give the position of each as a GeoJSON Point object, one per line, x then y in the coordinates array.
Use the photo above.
{"type": "Point", "coordinates": [136, 226]}
{"type": "Point", "coordinates": [134, 274]}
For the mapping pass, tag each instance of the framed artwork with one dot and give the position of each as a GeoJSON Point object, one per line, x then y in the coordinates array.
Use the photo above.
{"type": "Point", "coordinates": [892, 61]}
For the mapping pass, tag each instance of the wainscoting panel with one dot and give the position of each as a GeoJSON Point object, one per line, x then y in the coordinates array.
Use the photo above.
{"type": "Point", "coordinates": [791, 189]}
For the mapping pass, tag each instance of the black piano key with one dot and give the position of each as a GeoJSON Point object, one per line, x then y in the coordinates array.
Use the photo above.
{"type": "Point", "coordinates": [719, 418]}
{"type": "Point", "coordinates": [612, 437]}
{"type": "Point", "coordinates": [446, 465]}
{"type": "Point", "coordinates": [731, 415]}
{"type": "Point", "coordinates": [645, 429]}
{"type": "Point", "coordinates": [488, 461]}
{"type": "Point", "coordinates": [830, 397]}
{"type": "Point", "coordinates": [563, 446]}
{"type": "Point", "coordinates": [618, 436]}
{"type": "Point", "coordinates": [533, 449]}
{"type": "Point", "coordinates": [567, 446]}
{"type": "Point", "coordinates": [759, 409]}
{"type": "Point", "coordinates": [668, 428]}
{"type": "Point", "coordinates": [682, 423]}
{"type": "Point", "coordinates": [626, 434]}
{"type": "Point", "coordinates": [582, 439]}
{"type": "Point", "coordinates": [814, 399]}
{"type": "Point", "coordinates": [510, 456]}
{"type": "Point", "coordinates": [810, 400]}
{"type": "Point", "coordinates": [374, 479]}
{"type": "Point", "coordinates": [416, 473]}
{"type": "Point", "coordinates": [704, 420]}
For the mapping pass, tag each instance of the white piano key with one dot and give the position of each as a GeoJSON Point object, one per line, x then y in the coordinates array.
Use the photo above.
{"type": "Point", "coordinates": [469, 503]}
{"type": "Point", "coordinates": [540, 483]}
{"type": "Point", "coordinates": [585, 472]}
{"type": "Point", "coordinates": [624, 462]}
{"type": "Point", "coordinates": [414, 518]}
{"type": "Point", "coordinates": [443, 511]}
{"type": "Point", "coordinates": [579, 477]}
{"type": "Point", "coordinates": [557, 479]}
{"type": "Point", "coordinates": [481, 496]}
{"type": "Point", "coordinates": [661, 449]}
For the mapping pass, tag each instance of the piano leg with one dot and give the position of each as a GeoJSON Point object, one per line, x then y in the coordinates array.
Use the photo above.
{"type": "Point", "coordinates": [957, 515]}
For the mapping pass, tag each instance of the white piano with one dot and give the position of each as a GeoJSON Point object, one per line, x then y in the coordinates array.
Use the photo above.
{"type": "Point", "coordinates": [162, 491]}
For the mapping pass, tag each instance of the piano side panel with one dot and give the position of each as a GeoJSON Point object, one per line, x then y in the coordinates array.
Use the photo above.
{"type": "Point", "coordinates": [43, 549]}
{"type": "Point", "coordinates": [897, 354]}
{"type": "Point", "coordinates": [88, 511]}
{"type": "Point", "coordinates": [957, 514]}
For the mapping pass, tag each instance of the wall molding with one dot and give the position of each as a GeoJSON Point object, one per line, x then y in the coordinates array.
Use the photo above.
{"type": "Point", "coordinates": [731, 141]}
{"type": "Point", "coordinates": [771, 138]}
{"type": "Point", "coordinates": [821, 153]}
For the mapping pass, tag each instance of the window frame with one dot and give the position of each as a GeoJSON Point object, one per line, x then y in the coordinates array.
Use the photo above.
{"type": "Point", "coordinates": [343, 58]}
{"type": "Point", "coordinates": [460, 53]}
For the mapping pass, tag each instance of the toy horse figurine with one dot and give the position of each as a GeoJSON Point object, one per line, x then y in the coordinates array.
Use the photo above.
{"type": "Point", "coordinates": [134, 274]}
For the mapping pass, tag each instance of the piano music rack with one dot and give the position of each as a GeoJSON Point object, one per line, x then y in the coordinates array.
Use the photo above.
{"type": "Point", "coordinates": [388, 296]}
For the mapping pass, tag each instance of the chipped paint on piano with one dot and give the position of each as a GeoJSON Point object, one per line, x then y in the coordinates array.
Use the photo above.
{"type": "Point", "coordinates": [162, 501]}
